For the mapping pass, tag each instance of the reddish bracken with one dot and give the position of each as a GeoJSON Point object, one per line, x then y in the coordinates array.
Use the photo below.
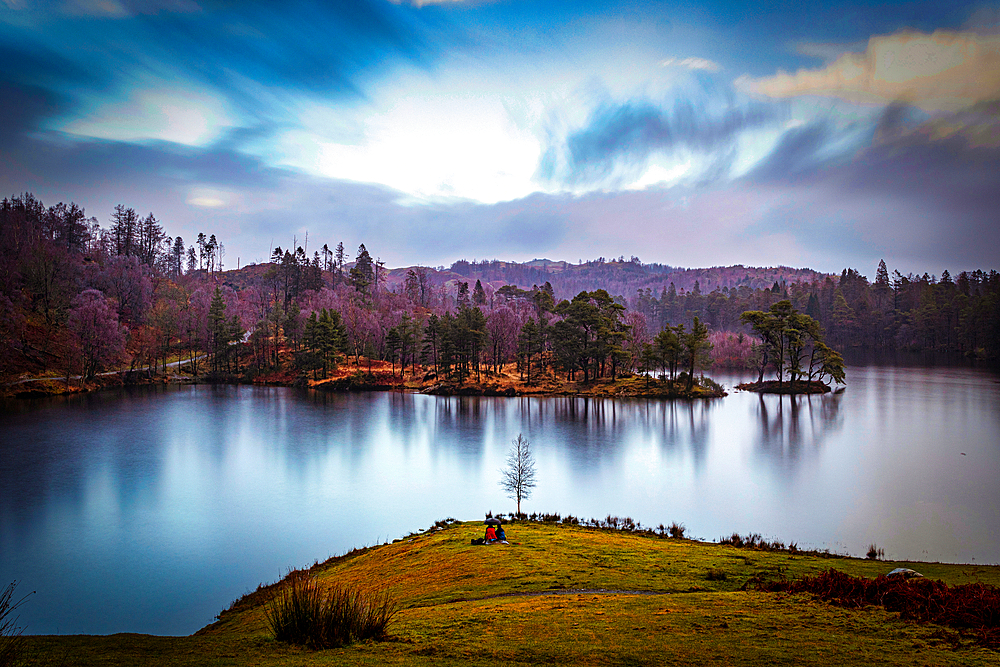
{"type": "Point", "coordinates": [974, 607]}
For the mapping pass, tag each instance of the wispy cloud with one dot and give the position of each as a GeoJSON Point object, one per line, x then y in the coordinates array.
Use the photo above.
{"type": "Point", "coordinates": [942, 71]}
{"type": "Point", "coordinates": [618, 142]}
{"type": "Point", "coordinates": [692, 63]}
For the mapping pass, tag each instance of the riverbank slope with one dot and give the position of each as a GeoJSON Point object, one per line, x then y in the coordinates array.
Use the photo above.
{"type": "Point", "coordinates": [568, 594]}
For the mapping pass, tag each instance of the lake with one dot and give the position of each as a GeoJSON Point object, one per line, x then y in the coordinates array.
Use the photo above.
{"type": "Point", "coordinates": [151, 509]}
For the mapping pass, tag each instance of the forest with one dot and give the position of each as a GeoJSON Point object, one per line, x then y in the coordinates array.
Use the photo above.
{"type": "Point", "coordinates": [78, 298]}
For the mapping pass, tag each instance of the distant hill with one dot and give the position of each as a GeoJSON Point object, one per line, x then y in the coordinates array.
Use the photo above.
{"type": "Point", "coordinates": [618, 277]}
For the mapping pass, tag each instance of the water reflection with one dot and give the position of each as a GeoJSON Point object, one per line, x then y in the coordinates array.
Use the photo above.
{"type": "Point", "coordinates": [789, 424]}
{"type": "Point", "coordinates": [595, 433]}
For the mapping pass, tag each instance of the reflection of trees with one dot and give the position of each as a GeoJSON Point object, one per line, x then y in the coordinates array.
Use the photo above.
{"type": "Point", "coordinates": [52, 449]}
{"type": "Point", "coordinates": [458, 422]}
{"type": "Point", "coordinates": [595, 430]}
{"type": "Point", "coordinates": [683, 423]}
{"type": "Point", "coordinates": [789, 424]}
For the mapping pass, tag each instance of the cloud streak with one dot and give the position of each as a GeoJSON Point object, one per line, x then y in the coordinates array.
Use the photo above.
{"type": "Point", "coordinates": [618, 140]}
{"type": "Point", "coordinates": [941, 71]}
{"type": "Point", "coordinates": [692, 64]}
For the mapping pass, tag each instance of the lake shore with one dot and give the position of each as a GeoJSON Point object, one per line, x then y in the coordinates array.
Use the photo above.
{"type": "Point", "coordinates": [567, 593]}
{"type": "Point", "coordinates": [376, 375]}
{"type": "Point", "coordinates": [509, 384]}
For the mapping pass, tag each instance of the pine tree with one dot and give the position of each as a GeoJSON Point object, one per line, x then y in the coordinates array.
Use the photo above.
{"type": "Point", "coordinates": [217, 329]}
{"type": "Point", "coordinates": [339, 255]}
{"type": "Point", "coordinates": [362, 274]}
{"type": "Point", "coordinates": [479, 294]}
{"type": "Point", "coordinates": [177, 256]}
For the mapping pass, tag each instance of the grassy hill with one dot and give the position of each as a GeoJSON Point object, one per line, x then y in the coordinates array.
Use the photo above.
{"type": "Point", "coordinates": [568, 594]}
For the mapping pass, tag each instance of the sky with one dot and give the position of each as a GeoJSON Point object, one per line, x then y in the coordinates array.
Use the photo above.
{"type": "Point", "coordinates": [826, 135]}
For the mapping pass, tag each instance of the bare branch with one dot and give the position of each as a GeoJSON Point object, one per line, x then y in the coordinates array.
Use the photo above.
{"type": "Point", "coordinates": [518, 477]}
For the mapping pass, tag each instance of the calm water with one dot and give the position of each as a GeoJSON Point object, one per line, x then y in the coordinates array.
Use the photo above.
{"type": "Point", "coordinates": [149, 511]}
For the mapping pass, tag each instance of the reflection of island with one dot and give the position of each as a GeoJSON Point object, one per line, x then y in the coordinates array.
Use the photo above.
{"type": "Point", "coordinates": [603, 429]}
{"type": "Point", "coordinates": [789, 423]}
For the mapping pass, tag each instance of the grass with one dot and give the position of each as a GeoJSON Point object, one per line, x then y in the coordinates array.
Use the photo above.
{"type": "Point", "coordinates": [11, 638]}
{"type": "Point", "coordinates": [565, 593]}
{"type": "Point", "coordinates": [306, 613]}
{"type": "Point", "coordinates": [975, 607]}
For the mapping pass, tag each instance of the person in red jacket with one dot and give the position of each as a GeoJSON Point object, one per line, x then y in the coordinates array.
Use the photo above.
{"type": "Point", "coordinates": [491, 534]}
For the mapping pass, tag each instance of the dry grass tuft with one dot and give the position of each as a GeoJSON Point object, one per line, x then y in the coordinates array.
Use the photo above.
{"type": "Point", "coordinates": [305, 613]}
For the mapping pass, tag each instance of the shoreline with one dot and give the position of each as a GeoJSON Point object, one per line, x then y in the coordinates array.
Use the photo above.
{"type": "Point", "coordinates": [361, 380]}
{"type": "Point", "coordinates": [593, 594]}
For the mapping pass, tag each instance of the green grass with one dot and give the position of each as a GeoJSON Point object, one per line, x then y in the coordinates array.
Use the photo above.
{"type": "Point", "coordinates": [555, 595]}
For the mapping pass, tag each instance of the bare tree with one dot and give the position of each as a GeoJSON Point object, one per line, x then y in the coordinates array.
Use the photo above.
{"type": "Point", "coordinates": [518, 478]}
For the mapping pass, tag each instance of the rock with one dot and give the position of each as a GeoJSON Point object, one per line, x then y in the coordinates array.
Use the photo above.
{"type": "Point", "coordinates": [904, 572]}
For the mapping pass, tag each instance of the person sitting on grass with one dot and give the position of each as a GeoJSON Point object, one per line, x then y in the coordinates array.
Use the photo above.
{"type": "Point", "coordinates": [501, 535]}
{"type": "Point", "coordinates": [491, 534]}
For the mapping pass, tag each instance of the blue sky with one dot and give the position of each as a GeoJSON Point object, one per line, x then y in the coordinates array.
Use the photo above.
{"type": "Point", "coordinates": [825, 134]}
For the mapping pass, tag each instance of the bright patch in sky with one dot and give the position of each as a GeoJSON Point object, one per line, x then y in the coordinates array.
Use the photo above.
{"type": "Point", "coordinates": [429, 147]}
{"type": "Point", "coordinates": [156, 114]}
{"type": "Point", "coordinates": [209, 198]}
{"type": "Point", "coordinates": [659, 175]}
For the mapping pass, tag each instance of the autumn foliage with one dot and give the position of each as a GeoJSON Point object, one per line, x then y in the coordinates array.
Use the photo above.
{"type": "Point", "coordinates": [972, 607]}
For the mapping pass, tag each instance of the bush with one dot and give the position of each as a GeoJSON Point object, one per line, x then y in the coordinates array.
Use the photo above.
{"type": "Point", "coordinates": [305, 613]}
{"type": "Point", "coordinates": [874, 552]}
{"type": "Point", "coordinates": [710, 384]}
{"type": "Point", "coordinates": [973, 607]}
{"type": "Point", "coordinates": [11, 641]}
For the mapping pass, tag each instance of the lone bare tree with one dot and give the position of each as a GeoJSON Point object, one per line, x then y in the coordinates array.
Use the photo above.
{"type": "Point", "coordinates": [518, 477]}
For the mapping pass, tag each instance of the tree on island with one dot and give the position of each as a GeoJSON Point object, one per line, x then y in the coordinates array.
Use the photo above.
{"type": "Point", "coordinates": [518, 477]}
{"type": "Point", "coordinates": [696, 349]}
{"type": "Point", "coordinates": [791, 340]}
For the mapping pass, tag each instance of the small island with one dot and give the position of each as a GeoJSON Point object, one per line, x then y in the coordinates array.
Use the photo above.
{"type": "Point", "coordinates": [507, 383]}
{"type": "Point", "coordinates": [787, 387]}
{"type": "Point", "coordinates": [792, 344]}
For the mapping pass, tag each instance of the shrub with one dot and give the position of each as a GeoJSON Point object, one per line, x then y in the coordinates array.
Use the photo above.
{"type": "Point", "coordinates": [874, 552]}
{"type": "Point", "coordinates": [974, 607]}
{"type": "Point", "coordinates": [676, 530]}
{"type": "Point", "coordinates": [755, 541]}
{"type": "Point", "coordinates": [11, 641]}
{"type": "Point", "coordinates": [303, 612]}
{"type": "Point", "coordinates": [710, 384]}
